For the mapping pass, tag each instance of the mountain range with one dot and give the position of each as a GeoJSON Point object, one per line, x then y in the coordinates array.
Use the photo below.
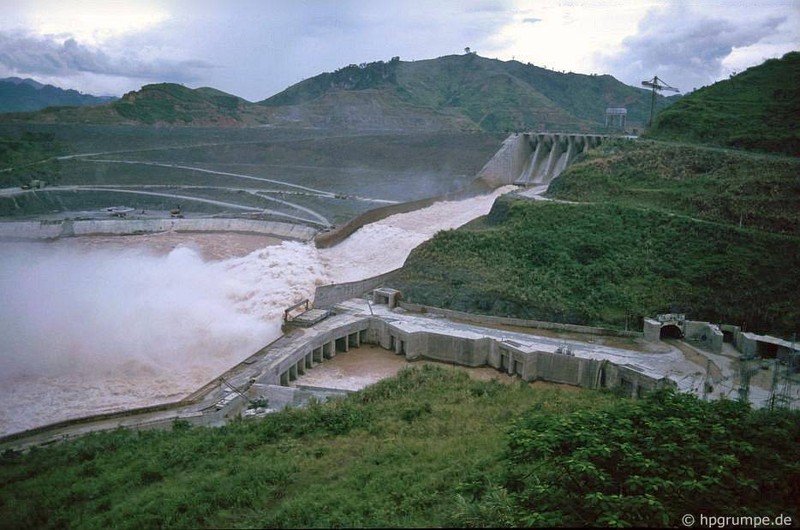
{"type": "Point", "coordinates": [25, 95]}
{"type": "Point", "coordinates": [459, 92]}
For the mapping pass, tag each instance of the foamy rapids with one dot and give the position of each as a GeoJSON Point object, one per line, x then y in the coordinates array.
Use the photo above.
{"type": "Point", "coordinates": [85, 331]}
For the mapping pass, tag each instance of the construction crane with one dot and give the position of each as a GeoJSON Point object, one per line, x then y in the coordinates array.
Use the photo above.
{"type": "Point", "coordinates": [657, 85]}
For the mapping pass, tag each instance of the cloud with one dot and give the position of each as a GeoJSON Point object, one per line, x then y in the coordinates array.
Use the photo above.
{"type": "Point", "coordinates": [256, 48]}
{"type": "Point", "coordinates": [531, 20]}
{"type": "Point", "coordinates": [685, 48]}
{"type": "Point", "coordinates": [64, 56]}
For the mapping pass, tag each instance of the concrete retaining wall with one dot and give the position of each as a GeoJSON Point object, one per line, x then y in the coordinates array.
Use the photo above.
{"type": "Point", "coordinates": [707, 334]}
{"type": "Point", "coordinates": [508, 321]}
{"type": "Point", "coordinates": [506, 357]}
{"type": "Point", "coordinates": [327, 296]}
{"type": "Point", "coordinates": [30, 230]}
{"type": "Point", "coordinates": [70, 228]}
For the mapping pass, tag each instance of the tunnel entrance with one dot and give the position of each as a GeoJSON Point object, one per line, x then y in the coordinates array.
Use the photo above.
{"type": "Point", "coordinates": [671, 331]}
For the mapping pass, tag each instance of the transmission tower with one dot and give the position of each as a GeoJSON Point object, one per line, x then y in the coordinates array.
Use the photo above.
{"type": "Point", "coordinates": [746, 371]}
{"type": "Point", "coordinates": [785, 395]}
{"type": "Point", "coordinates": [657, 85]}
{"type": "Point", "coordinates": [707, 384]}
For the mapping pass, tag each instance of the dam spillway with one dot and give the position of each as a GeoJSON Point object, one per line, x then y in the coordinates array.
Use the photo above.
{"type": "Point", "coordinates": [532, 159]}
{"type": "Point", "coordinates": [133, 366]}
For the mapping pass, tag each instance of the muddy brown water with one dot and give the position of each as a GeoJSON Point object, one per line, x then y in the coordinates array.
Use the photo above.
{"type": "Point", "coordinates": [368, 364]}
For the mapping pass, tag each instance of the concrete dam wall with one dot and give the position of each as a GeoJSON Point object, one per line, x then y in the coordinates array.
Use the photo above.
{"type": "Point", "coordinates": [69, 228]}
{"type": "Point", "coordinates": [530, 159]}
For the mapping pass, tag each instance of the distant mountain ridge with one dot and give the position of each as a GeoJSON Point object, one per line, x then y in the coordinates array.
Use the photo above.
{"type": "Point", "coordinates": [26, 81]}
{"type": "Point", "coordinates": [458, 92]}
{"type": "Point", "coordinates": [26, 95]}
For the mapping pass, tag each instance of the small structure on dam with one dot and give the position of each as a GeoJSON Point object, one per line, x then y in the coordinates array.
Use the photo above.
{"type": "Point", "coordinates": [615, 118]}
{"type": "Point", "coordinates": [301, 314]}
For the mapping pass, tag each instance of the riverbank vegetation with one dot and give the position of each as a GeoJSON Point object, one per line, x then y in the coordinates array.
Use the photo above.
{"type": "Point", "coordinates": [430, 447]}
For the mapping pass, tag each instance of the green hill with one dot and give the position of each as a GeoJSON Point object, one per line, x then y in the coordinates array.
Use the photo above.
{"type": "Point", "coordinates": [493, 95]}
{"type": "Point", "coordinates": [176, 104]}
{"type": "Point", "coordinates": [758, 109]}
{"type": "Point", "coordinates": [157, 104]}
{"type": "Point", "coordinates": [607, 264]}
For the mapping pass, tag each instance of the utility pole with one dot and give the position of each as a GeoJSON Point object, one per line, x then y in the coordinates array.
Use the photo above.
{"type": "Point", "coordinates": [774, 383]}
{"type": "Point", "coordinates": [656, 84]}
{"type": "Point", "coordinates": [745, 372]}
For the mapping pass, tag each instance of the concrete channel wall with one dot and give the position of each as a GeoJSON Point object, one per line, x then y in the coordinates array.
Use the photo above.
{"type": "Point", "coordinates": [518, 322]}
{"type": "Point", "coordinates": [70, 228]}
{"type": "Point", "coordinates": [530, 365]}
{"type": "Point", "coordinates": [327, 296]}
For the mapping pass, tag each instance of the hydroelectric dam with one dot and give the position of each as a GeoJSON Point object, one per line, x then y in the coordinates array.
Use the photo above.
{"type": "Point", "coordinates": [347, 321]}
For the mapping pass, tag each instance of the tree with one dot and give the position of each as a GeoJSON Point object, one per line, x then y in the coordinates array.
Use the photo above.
{"type": "Point", "coordinates": [647, 463]}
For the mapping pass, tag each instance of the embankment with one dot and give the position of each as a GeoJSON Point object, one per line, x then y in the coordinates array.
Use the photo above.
{"type": "Point", "coordinates": [45, 229]}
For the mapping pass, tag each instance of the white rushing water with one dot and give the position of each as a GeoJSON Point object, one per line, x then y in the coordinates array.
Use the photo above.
{"type": "Point", "coordinates": [90, 330]}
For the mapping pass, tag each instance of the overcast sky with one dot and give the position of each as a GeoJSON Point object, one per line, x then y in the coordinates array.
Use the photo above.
{"type": "Point", "coordinates": [256, 48]}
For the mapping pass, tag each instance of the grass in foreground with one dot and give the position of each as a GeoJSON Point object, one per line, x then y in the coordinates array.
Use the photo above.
{"type": "Point", "coordinates": [390, 455]}
{"type": "Point", "coordinates": [429, 447]}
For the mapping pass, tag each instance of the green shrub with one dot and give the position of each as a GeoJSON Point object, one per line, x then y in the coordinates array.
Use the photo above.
{"type": "Point", "coordinates": [643, 463]}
